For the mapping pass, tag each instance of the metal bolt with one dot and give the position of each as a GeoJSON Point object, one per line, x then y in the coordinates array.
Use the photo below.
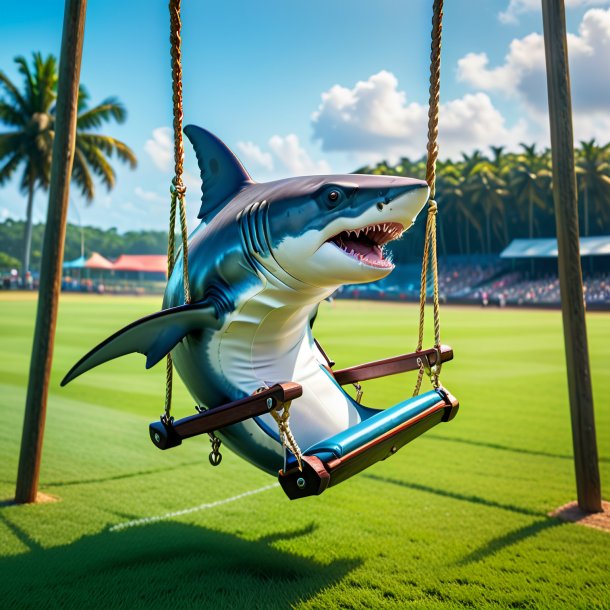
{"type": "Point", "coordinates": [393, 449]}
{"type": "Point", "coordinates": [157, 438]}
{"type": "Point", "coordinates": [301, 483]}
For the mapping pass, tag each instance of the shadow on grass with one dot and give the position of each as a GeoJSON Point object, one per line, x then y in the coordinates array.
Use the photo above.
{"type": "Point", "coordinates": [457, 496]}
{"type": "Point", "coordinates": [498, 447]}
{"type": "Point", "coordinates": [118, 477]}
{"type": "Point", "coordinates": [502, 542]}
{"type": "Point", "coordinates": [165, 564]}
{"type": "Point", "coordinates": [497, 544]}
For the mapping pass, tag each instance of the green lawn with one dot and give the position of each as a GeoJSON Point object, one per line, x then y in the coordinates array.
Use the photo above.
{"type": "Point", "coordinates": [458, 518]}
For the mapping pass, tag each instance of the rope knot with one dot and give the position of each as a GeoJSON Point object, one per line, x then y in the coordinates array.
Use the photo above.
{"type": "Point", "coordinates": [432, 207]}
{"type": "Point", "coordinates": [177, 188]}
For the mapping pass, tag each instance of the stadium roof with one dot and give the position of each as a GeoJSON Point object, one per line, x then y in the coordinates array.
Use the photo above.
{"type": "Point", "coordinates": [547, 248]}
{"type": "Point", "coordinates": [97, 261]}
{"type": "Point", "coordinates": [147, 263]}
{"type": "Point", "coordinates": [77, 263]}
{"type": "Point", "coordinates": [151, 263]}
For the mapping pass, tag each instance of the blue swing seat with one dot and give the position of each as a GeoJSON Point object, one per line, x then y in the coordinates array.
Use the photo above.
{"type": "Point", "coordinates": [377, 437]}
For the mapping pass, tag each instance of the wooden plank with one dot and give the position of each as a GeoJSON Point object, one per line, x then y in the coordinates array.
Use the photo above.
{"type": "Point", "coordinates": [570, 274]}
{"type": "Point", "coordinates": [166, 436]}
{"type": "Point", "coordinates": [390, 366]}
{"type": "Point", "coordinates": [52, 251]}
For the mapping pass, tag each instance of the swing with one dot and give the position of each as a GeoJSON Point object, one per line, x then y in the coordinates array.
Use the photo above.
{"type": "Point", "coordinates": [253, 304]}
{"type": "Point", "coordinates": [381, 433]}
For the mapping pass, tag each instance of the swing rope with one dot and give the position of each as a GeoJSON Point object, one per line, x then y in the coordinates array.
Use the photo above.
{"type": "Point", "coordinates": [430, 236]}
{"type": "Point", "coordinates": [177, 188]}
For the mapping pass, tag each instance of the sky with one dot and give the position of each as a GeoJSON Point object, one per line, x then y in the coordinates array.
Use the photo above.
{"type": "Point", "coordinates": [323, 86]}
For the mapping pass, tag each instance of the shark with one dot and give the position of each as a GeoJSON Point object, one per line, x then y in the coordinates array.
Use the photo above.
{"type": "Point", "coordinates": [263, 258]}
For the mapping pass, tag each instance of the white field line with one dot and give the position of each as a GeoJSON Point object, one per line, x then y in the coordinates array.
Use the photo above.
{"type": "Point", "coordinates": [188, 511]}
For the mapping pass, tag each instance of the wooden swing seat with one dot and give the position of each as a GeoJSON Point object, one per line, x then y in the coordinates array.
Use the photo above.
{"type": "Point", "coordinates": [338, 457]}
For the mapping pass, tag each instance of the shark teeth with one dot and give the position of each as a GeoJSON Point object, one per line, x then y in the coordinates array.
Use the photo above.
{"type": "Point", "coordinates": [365, 244]}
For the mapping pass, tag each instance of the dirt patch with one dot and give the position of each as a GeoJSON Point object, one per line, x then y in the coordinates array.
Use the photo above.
{"type": "Point", "coordinates": [44, 498]}
{"type": "Point", "coordinates": [571, 512]}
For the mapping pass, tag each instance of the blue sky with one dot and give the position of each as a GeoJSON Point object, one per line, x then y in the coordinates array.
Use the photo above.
{"type": "Point", "coordinates": [305, 87]}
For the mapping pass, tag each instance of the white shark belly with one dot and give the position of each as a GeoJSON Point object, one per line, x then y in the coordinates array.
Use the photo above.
{"type": "Point", "coordinates": [267, 342]}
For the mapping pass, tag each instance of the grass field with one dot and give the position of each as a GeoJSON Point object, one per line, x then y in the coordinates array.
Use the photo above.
{"type": "Point", "coordinates": [456, 519]}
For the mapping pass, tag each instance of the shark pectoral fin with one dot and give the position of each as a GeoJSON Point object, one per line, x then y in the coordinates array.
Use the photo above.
{"type": "Point", "coordinates": [154, 336]}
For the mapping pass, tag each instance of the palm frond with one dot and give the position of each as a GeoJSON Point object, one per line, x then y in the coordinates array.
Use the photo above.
{"type": "Point", "coordinates": [9, 168]}
{"type": "Point", "coordinates": [7, 85]}
{"type": "Point", "coordinates": [83, 98]}
{"type": "Point", "coordinates": [10, 143]}
{"type": "Point", "coordinates": [98, 164]}
{"type": "Point", "coordinates": [110, 146]}
{"type": "Point", "coordinates": [109, 109]}
{"type": "Point", "coordinates": [81, 175]}
{"type": "Point", "coordinates": [24, 70]}
{"type": "Point", "coordinates": [9, 115]}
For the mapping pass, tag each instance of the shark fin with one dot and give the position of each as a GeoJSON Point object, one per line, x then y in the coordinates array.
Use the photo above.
{"type": "Point", "coordinates": [154, 336]}
{"type": "Point", "coordinates": [222, 174]}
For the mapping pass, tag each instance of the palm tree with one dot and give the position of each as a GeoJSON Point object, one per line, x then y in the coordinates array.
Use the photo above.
{"type": "Point", "coordinates": [30, 113]}
{"type": "Point", "coordinates": [593, 174]}
{"type": "Point", "coordinates": [530, 180]}
{"type": "Point", "coordinates": [485, 188]}
{"type": "Point", "coordinates": [453, 202]}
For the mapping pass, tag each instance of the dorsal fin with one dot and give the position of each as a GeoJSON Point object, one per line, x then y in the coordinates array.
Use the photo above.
{"type": "Point", "coordinates": [222, 173]}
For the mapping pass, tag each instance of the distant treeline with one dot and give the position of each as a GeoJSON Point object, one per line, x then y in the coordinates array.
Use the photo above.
{"type": "Point", "coordinates": [486, 201]}
{"type": "Point", "coordinates": [110, 243]}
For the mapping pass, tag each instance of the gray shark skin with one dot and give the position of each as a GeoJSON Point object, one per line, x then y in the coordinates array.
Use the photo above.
{"type": "Point", "coordinates": [263, 258]}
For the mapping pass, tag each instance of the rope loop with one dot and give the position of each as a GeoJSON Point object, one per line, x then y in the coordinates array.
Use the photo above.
{"type": "Point", "coordinates": [177, 187]}
{"type": "Point", "coordinates": [429, 253]}
{"type": "Point", "coordinates": [286, 437]}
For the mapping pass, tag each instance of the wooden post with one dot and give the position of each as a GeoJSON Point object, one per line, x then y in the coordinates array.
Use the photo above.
{"type": "Point", "coordinates": [53, 250]}
{"type": "Point", "coordinates": [570, 274]}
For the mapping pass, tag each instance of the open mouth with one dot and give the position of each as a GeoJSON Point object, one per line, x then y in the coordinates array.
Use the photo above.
{"type": "Point", "coordinates": [366, 245]}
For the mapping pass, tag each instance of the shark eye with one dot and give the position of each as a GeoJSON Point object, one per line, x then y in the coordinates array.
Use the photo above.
{"type": "Point", "coordinates": [333, 196]}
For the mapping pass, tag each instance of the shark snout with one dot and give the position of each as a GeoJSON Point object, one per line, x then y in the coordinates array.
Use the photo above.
{"type": "Point", "coordinates": [403, 202]}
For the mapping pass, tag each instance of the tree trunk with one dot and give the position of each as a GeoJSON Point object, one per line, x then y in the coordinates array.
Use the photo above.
{"type": "Point", "coordinates": [586, 211]}
{"type": "Point", "coordinates": [52, 251]}
{"type": "Point", "coordinates": [530, 202]}
{"type": "Point", "coordinates": [27, 235]}
{"type": "Point", "coordinates": [441, 226]}
{"type": "Point", "coordinates": [488, 231]}
{"type": "Point", "coordinates": [586, 465]}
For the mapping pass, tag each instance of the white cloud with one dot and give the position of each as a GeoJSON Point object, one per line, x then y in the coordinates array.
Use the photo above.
{"type": "Point", "coordinates": [285, 158]}
{"type": "Point", "coordinates": [253, 155]}
{"type": "Point", "coordinates": [518, 7]}
{"type": "Point", "coordinates": [160, 148]}
{"type": "Point", "coordinates": [150, 195]}
{"type": "Point", "coordinates": [192, 182]}
{"type": "Point", "coordinates": [523, 74]}
{"type": "Point", "coordinates": [375, 119]}
{"type": "Point", "coordinates": [289, 152]}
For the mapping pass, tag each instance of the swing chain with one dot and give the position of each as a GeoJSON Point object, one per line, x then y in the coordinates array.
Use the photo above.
{"type": "Point", "coordinates": [430, 238]}
{"type": "Point", "coordinates": [281, 414]}
{"type": "Point", "coordinates": [215, 456]}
